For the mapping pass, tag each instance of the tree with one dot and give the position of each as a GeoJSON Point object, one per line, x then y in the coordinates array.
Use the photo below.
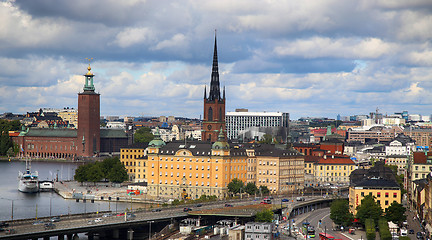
{"type": "Point", "coordinates": [267, 138]}
{"type": "Point", "coordinates": [369, 209]}
{"type": "Point", "coordinates": [143, 135]}
{"type": "Point", "coordinates": [80, 174]}
{"type": "Point", "coordinates": [264, 190]}
{"type": "Point", "coordinates": [5, 140]}
{"type": "Point", "coordinates": [94, 173]}
{"type": "Point", "coordinates": [117, 174]}
{"type": "Point", "coordinates": [235, 185]}
{"type": "Point", "coordinates": [251, 188]}
{"type": "Point", "coordinates": [396, 213]}
{"type": "Point", "coordinates": [340, 214]}
{"type": "Point", "coordinates": [264, 216]}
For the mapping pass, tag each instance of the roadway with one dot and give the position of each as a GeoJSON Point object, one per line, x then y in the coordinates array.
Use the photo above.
{"type": "Point", "coordinates": [79, 225]}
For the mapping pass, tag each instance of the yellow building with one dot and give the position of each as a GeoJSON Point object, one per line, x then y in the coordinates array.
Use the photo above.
{"type": "Point", "coordinates": [281, 170]}
{"type": "Point", "coordinates": [385, 192]}
{"type": "Point", "coordinates": [70, 115]}
{"type": "Point", "coordinates": [133, 159]}
{"type": "Point", "coordinates": [192, 169]}
{"type": "Point", "coordinates": [333, 169]}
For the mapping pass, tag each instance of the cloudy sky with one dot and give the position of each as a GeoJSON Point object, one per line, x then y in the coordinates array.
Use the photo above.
{"type": "Point", "coordinates": [308, 58]}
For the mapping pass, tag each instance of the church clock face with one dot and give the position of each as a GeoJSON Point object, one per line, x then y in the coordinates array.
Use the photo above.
{"type": "Point", "coordinates": [209, 127]}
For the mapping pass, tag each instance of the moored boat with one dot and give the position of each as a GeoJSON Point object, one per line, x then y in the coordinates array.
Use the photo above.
{"type": "Point", "coordinates": [28, 181]}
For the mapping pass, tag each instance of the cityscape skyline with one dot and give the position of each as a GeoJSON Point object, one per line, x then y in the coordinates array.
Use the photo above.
{"type": "Point", "coordinates": [310, 59]}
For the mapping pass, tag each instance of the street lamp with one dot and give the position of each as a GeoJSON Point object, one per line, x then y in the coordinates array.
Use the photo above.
{"type": "Point", "coordinates": [150, 222]}
{"type": "Point", "coordinates": [12, 209]}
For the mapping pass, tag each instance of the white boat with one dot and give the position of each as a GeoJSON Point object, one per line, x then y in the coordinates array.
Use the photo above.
{"type": "Point", "coordinates": [28, 181]}
{"type": "Point", "coordinates": [45, 186]}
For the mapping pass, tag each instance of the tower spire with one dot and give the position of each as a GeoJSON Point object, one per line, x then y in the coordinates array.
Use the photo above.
{"type": "Point", "coordinates": [88, 86]}
{"type": "Point", "coordinates": [214, 84]}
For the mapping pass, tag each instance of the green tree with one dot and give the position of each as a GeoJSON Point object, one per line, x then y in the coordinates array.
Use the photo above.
{"type": "Point", "coordinates": [264, 216]}
{"type": "Point", "coordinates": [81, 173]}
{"type": "Point", "coordinates": [94, 172]}
{"type": "Point", "coordinates": [235, 185]}
{"type": "Point", "coordinates": [370, 229]}
{"type": "Point", "coordinates": [396, 213]}
{"type": "Point", "coordinates": [5, 140]}
{"type": "Point", "coordinates": [251, 188]}
{"type": "Point", "coordinates": [368, 209]}
{"type": "Point", "coordinates": [340, 214]}
{"type": "Point", "coordinates": [143, 135]}
{"type": "Point", "coordinates": [267, 138]}
{"type": "Point", "coordinates": [264, 190]}
{"type": "Point", "coordinates": [117, 174]}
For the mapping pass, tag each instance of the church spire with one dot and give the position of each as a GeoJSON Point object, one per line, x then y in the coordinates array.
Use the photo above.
{"type": "Point", "coordinates": [214, 84]}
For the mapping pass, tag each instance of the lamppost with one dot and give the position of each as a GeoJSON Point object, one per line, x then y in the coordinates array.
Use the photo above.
{"type": "Point", "coordinates": [12, 209]}
{"type": "Point", "coordinates": [150, 222]}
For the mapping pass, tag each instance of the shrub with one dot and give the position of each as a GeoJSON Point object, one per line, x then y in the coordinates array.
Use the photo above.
{"type": "Point", "coordinates": [384, 229]}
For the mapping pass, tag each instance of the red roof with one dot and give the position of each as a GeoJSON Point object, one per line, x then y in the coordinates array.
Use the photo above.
{"type": "Point", "coordinates": [13, 134]}
{"type": "Point", "coordinates": [420, 157]}
{"type": "Point", "coordinates": [336, 161]}
{"type": "Point", "coordinates": [309, 158]}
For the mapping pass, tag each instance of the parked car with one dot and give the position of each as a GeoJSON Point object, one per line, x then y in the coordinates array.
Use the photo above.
{"type": "Point", "coordinates": [228, 205]}
{"type": "Point", "coordinates": [98, 220]}
{"type": "Point", "coordinates": [186, 209]}
{"type": "Point", "coordinates": [419, 235]}
{"type": "Point", "coordinates": [130, 216]}
{"type": "Point", "coordinates": [285, 200]}
{"type": "Point", "coordinates": [156, 210]}
{"type": "Point", "coordinates": [90, 222]}
{"type": "Point", "coordinates": [4, 224]}
{"type": "Point", "coordinates": [55, 219]}
{"type": "Point", "coordinates": [107, 215]}
{"type": "Point", "coordinates": [199, 205]}
{"type": "Point", "coordinates": [121, 214]}
{"type": "Point", "coordinates": [411, 231]}
{"type": "Point", "coordinates": [300, 198]}
{"type": "Point", "coordinates": [10, 231]}
{"type": "Point", "coordinates": [49, 225]}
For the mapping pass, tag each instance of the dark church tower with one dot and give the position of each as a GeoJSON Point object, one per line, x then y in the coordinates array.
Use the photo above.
{"type": "Point", "coordinates": [214, 105]}
{"type": "Point", "coordinates": [88, 134]}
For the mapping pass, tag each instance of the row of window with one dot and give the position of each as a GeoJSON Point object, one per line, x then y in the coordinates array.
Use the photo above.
{"type": "Point", "coordinates": [378, 194]}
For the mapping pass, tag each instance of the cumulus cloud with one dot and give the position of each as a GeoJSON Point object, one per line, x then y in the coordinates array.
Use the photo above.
{"type": "Point", "coordinates": [154, 57]}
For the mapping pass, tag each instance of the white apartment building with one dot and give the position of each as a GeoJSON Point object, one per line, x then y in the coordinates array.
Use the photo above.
{"type": "Point", "coordinates": [241, 120]}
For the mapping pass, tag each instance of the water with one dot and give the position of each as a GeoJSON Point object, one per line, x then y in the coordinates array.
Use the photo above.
{"type": "Point", "coordinates": [43, 204]}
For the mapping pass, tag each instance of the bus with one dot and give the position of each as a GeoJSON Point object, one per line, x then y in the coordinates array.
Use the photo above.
{"type": "Point", "coordinates": [308, 230]}
{"type": "Point", "coordinates": [326, 236]}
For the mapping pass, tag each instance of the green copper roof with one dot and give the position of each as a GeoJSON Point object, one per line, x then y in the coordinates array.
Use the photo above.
{"type": "Point", "coordinates": [220, 143]}
{"type": "Point", "coordinates": [50, 132]}
{"type": "Point", "coordinates": [112, 133]}
{"type": "Point", "coordinates": [157, 141]}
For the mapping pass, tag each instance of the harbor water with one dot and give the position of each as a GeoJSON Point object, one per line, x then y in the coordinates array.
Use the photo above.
{"type": "Point", "coordinates": [17, 205]}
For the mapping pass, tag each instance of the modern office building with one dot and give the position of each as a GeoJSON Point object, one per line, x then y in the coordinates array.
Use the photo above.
{"type": "Point", "coordinates": [239, 121]}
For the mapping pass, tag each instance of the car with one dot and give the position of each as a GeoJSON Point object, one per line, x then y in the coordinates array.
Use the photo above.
{"type": "Point", "coordinates": [98, 220]}
{"type": "Point", "coordinates": [228, 205]}
{"type": "Point", "coordinates": [10, 231]}
{"type": "Point", "coordinates": [4, 224]}
{"type": "Point", "coordinates": [300, 198]}
{"type": "Point", "coordinates": [156, 210]}
{"type": "Point", "coordinates": [199, 205]}
{"type": "Point", "coordinates": [419, 235]}
{"type": "Point", "coordinates": [120, 214]}
{"type": "Point", "coordinates": [271, 197]}
{"type": "Point", "coordinates": [186, 209]}
{"type": "Point", "coordinates": [38, 222]}
{"type": "Point", "coordinates": [263, 202]}
{"type": "Point", "coordinates": [55, 219]}
{"type": "Point", "coordinates": [107, 215]}
{"type": "Point", "coordinates": [130, 216]}
{"type": "Point", "coordinates": [411, 231]}
{"type": "Point", "coordinates": [49, 225]}
{"type": "Point", "coordinates": [285, 200]}
{"type": "Point", "coordinates": [90, 222]}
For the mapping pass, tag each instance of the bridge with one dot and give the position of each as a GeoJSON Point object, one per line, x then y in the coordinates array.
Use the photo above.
{"type": "Point", "coordinates": [143, 222]}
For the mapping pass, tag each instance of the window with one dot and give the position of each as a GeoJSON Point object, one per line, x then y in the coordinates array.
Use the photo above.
{"type": "Point", "coordinates": [395, 195]}
{"type": "Point", "coordinates": [386, 194]}
{"type": "Point", "coordinates": [378, 194]}
{"type": "Point", "coordinates": [386, 203]}
{"type": "Point", "coordinates": [362, 194]}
